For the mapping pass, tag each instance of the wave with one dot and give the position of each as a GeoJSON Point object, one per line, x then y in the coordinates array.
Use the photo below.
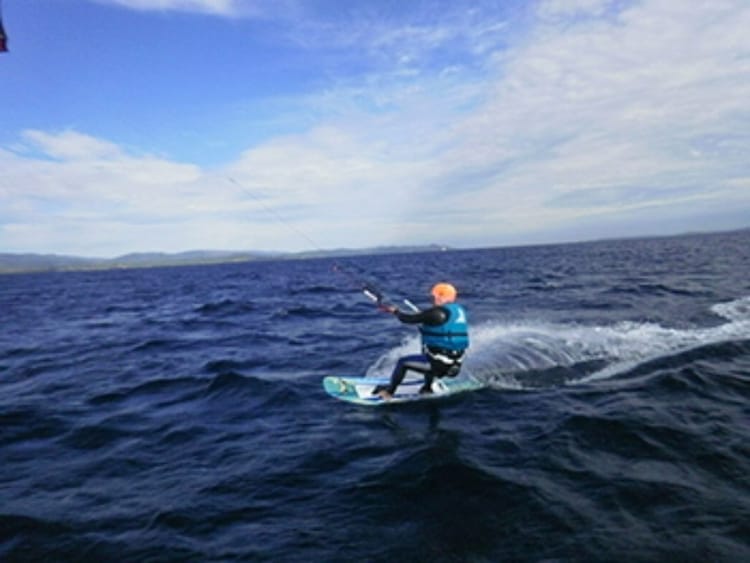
{"type": "Point", "coordinates": [314, 290]}
{"type": "Point", "coordinates": [655, 289]}
{"type": "Point", "coordinates": [736, 311]}
{"type": "Point", "coordinates": [163, 396]}
{"type": "Point", "coordinates": [230, 306]}
{"type": "Point", "coordinates": [25, 423]}
{"type": "Point", "coordinates": [534, 354]}
{"type": "Point", "coordinates": [154, 388]}
{"type": "Point", "coordinates": [299, 311]}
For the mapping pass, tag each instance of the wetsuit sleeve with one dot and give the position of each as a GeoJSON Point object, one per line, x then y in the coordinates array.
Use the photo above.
{"type": "Point", "coordinates": [433, 316]}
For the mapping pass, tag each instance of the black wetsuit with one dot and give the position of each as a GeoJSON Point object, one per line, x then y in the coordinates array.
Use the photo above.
{"type": "Point", "coordinates": [432, 362]}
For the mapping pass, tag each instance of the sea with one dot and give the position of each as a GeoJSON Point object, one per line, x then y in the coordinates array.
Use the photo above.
{"type": "Point", "coordinates": [177, 414]}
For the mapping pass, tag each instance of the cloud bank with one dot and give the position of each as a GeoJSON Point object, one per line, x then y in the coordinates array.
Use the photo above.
{"type": "Point", "coordinates": [585, 118]}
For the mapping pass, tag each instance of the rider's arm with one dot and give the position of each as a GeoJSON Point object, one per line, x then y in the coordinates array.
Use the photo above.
{"type": "Point", "coordinates": [433, 316]}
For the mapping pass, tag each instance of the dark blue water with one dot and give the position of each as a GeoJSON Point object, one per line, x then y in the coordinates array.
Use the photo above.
{"type": "Point", "coordinates": [178, 414]}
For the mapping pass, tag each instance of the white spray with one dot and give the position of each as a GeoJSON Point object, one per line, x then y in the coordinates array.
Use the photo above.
{"type": "Point", "coordinates": [507, 355]}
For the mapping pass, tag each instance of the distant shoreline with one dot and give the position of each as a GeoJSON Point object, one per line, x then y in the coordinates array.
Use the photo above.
{"type": "Point", "coordinates": [12, 263]}
{"type": "Point", "coordinates": [20, 263]}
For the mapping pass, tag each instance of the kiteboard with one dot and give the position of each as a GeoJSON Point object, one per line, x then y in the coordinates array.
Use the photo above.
{"type": "Point", "coordinates": [359, 390]}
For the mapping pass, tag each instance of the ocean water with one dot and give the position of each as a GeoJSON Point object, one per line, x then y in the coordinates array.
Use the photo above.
{"type": "Point", "coordinates": [177, 414]}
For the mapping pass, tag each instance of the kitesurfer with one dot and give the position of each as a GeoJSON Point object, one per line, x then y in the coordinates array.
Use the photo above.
{"type": "Point", "coordinates": [3, 36]}
{"type": "Point", "coordinates": [445, 338]}
{"type": "Point", "coordinates": [3, 39]}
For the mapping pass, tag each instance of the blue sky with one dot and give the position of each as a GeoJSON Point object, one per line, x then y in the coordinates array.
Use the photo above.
{"type": "Point", "coordinates": [168, 125]}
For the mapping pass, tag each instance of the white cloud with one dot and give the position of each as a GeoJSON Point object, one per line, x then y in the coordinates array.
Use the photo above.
{"type": "Point", "coordinates": [58, 189]}
{"type": "Point", "coordinates": [621, 103]}
{"type": "Point", "coordinates": [553, 9]}
{"type": "Point", "coordinates": [215, 7]}
{"type": "Point", "coordinates": [71, 145]}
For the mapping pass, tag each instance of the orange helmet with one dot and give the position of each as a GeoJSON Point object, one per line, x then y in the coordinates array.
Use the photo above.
{"type": "Point", "coordinates": [445, 291]}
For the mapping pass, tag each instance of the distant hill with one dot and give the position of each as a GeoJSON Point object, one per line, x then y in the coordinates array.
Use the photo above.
{"type": "Point", "coordinates": [36, 262]}
{"type": "Point", "coordinates": [154, 259]}
{"type": "Point", "coordinates": [17, 263]}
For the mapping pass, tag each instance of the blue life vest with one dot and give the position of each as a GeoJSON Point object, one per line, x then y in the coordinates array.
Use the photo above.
{"type": "Point", "coordinates": [453, 334]}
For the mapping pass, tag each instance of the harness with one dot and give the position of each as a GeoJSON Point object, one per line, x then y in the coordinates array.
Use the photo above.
{"type": "Point", "coordinates": [447, 363]}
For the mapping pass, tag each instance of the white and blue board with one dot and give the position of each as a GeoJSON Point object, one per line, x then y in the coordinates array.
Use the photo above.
{"type": "Point", "coordinates": [359, 389]}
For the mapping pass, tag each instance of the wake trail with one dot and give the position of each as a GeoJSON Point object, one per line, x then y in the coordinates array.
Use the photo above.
{"type": "Point", "coordinates": [538, 354]}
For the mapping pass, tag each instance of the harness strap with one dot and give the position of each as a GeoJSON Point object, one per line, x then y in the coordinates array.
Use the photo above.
{"type": "Point", "coordinates": [445, 357]}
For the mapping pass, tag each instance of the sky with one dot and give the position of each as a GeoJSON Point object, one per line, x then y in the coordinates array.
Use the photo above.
{"type": "Point", "coordinates": [292, 125]}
